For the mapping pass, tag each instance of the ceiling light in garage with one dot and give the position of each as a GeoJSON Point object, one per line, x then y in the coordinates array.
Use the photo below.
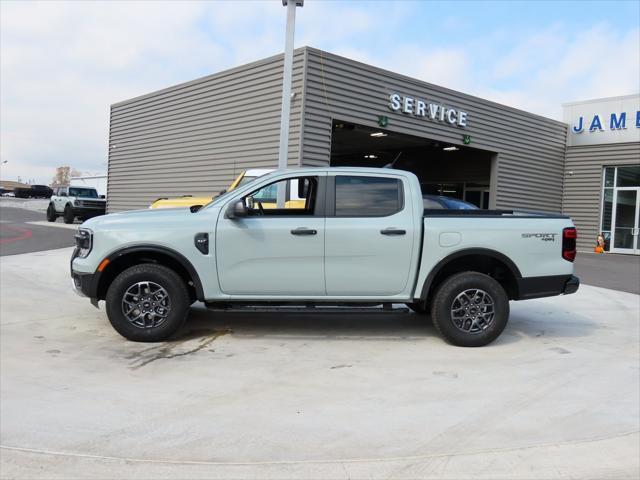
{"type": "Point", "coordinates": [450, 149]}
{"type": "Point", "coordinates": [378, 134]}
{"type": "Point", "coordinates": [373, 157]}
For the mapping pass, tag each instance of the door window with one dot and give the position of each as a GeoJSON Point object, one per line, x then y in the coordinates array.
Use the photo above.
{"type": "Point", "coordinates": [299, 198]}
{"type": "Point", "coordinates": [358, 196]}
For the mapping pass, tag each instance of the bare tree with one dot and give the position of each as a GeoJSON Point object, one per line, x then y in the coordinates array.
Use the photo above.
{"type": "Point", "coordinates": [62, 176]}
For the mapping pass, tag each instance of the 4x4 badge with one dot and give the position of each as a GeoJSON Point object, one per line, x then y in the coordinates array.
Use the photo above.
{"type": "Point", "coordinates": [545, 237]}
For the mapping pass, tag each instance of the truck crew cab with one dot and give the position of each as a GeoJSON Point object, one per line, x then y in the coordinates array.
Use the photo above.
{"type": "Point", "coordinates": [75, 202]}
{"type": "Point", "coordinates": [361, 236]}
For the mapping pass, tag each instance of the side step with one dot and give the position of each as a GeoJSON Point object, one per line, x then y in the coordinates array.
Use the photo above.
{"type": "Point", "coordinates": [307, 308]}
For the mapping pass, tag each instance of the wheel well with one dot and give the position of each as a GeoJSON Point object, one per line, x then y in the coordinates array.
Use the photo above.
{"type": "Point", "coordinates": [481, 263]}
{"type": "Point", "coordinates": [120, 264]}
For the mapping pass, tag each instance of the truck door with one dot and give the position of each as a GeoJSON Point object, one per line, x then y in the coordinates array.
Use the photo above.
{"type": "Point", "coordinates": [369, 235]}
{"type": "Point", "coordinates": [272, 251]}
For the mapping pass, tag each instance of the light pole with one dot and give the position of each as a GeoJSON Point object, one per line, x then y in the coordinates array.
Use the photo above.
{"type": "Point", "coordinates": [286, 92]}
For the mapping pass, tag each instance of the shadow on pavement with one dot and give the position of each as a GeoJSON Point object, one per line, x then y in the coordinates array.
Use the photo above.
{"type": "Point", "coordinates": [549, 321]}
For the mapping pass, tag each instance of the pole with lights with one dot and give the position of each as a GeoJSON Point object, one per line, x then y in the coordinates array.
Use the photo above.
{"type": "Point", "coordinates": [283, 152]}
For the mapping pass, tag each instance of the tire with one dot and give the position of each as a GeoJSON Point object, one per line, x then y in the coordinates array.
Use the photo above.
{"type": "Point", "coordinates": [68, 214]}
{"type": "Point", "coordinates": [51, 213]}
{"type": "Point", "coordinates": [472, 328]}
{"type": "Point", "coordinates": [126, 285]}
{"type": "Point", "coordinates": [418, 307]}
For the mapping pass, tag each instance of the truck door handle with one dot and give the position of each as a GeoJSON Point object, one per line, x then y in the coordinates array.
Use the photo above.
{"type": "Point", "coordinates": [303, 231]}
{"type": "Point", "coordinates": [393, 231]}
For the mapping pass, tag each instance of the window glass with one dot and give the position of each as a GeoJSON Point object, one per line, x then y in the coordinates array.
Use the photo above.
{"type": "Point", "coordinates": [609, 174]}
{"type": "Point", "coordinates": [628, 176]}
{"type": "Point", "coordinates": [83, 192]}
{"type": "Point", "coordinates": [607, 205]}
{"type": "Point", "coordinates": [367, 196]}
{"type": "Point", "coordinates": [298, 201]}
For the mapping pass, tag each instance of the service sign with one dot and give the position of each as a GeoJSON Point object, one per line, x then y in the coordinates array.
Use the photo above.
{"type": "Point", "coordinates": [609, 120]}
{"type": "Point", "coordinates": [433, 111]}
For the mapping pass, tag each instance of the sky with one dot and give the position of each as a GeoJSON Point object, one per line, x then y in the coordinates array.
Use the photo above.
{"type": "Point", "coordinates": [62, 64]}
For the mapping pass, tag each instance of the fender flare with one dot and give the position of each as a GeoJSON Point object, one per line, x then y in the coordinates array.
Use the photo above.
{"type": "Point", "coordinates": [178, 257]}
{"type": "Point", "coordinates": [515, 271]}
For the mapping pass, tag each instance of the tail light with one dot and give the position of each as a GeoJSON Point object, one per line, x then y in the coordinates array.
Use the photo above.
{"type": "Point", "coordinates": [569, 237]}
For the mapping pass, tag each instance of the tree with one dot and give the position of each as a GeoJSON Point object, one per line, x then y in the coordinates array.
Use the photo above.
{"type": "Point", "coordinates": [63, 175]}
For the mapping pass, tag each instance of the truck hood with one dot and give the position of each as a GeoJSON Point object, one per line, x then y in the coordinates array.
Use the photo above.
{"type": "Point", "coordinates": [166, 216]}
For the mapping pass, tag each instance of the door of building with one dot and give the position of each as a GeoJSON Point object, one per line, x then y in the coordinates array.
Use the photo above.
{"type": "Point", "coordinates": [625, 233]}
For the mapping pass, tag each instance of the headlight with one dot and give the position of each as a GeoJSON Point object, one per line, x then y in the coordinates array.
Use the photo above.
{"type": "Point", "coordinates": [84, 242]}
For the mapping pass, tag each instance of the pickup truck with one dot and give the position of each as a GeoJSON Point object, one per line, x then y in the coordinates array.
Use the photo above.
{"type": "Point", "coordinates": [362, 237]}
{"type": "Point", "coordinates": [75, 202]}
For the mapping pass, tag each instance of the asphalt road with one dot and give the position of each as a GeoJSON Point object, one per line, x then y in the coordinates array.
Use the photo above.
{"type": "Point", "coordinates": [19, 236]}
{"type": "Point", "coordinates": [615, 271]}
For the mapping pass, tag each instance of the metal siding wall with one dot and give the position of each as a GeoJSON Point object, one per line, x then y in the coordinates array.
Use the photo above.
{"type": "Point", "coordinates": [583, 190]}
{"type": "Point", "coordinates": [195, 138]}
{"type": "Point", "coordinates": [530, 148]}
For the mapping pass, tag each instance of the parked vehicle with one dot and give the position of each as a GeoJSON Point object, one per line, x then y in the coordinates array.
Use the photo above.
{"type": "Point", "coordinates": [75, 202]}
{"type": "Point", "coordinates": [439, 202]}
{"type": "Point", "coordinates": [41, 191]}
{"type": "Point", "coordinates": [362, 237]}
{"type": "Point", "coordinates": [191, 201]}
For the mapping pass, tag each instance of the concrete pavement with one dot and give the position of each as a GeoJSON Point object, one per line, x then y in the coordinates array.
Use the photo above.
{"type": "Point", "coordinates": [255, 395]}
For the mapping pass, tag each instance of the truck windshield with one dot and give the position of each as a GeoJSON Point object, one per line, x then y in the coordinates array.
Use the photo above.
{"type": "Point", "coordinates": [245, 180]}
{"type": "Point", "coordinates": [83, 192]}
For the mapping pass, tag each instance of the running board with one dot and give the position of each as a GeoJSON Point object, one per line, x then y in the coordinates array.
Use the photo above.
{"type": "Point", "coordinates": [307, 308]}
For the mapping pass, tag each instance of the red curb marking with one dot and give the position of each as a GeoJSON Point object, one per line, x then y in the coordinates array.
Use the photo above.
{"type": "Point", "coordinates": [24, 233]}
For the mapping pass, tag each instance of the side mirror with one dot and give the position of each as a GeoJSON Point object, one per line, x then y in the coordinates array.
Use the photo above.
{"type": "Point", "coordinates": [103, 196]}
{"type": "Point", "coordinates": [303, 187]}
{"type": "Point", "coordinates": [236, 210]}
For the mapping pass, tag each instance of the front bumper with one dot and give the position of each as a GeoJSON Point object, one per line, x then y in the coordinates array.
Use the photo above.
{"type": "Point", "coordinates": [88, 211]}
{"type": "Point", "coordinates": [84, 284]}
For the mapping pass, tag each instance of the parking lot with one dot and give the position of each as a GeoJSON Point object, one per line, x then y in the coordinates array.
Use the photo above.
{"type": "Point", "coordinates": [287, 395]}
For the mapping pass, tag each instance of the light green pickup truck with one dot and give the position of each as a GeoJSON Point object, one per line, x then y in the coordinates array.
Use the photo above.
{"type": "Point", "coordinates": [360, 237]}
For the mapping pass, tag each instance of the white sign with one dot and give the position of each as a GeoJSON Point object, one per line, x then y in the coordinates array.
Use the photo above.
{"type": "Point", "coordinates": [607, 120]}
{"type": "Point", "coordinates": [432, 111]}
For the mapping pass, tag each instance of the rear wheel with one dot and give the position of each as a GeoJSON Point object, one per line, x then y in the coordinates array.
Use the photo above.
{"type": "Point", "coordinates": [68, 214]}
{"type": "Point", "coordinates": [470, 309]}
{"type": "Point", "coordinates": [147, 303]}
{"type": "Point", "coordinates": [51, 213]}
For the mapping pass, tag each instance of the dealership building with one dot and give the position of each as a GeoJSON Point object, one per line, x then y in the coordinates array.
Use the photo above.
{"type": "Point", "coordinates": [196, 137]}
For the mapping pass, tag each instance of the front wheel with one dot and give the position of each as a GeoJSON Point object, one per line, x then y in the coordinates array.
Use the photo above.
{"type": "Point", "coordinates": [470, 309]}
{"type": "Point", "coordinates": [147, 303]}
{"type": "Point", "coordinates": [68, 214]}
{"type": "Point", "coordinates": [51, 213]}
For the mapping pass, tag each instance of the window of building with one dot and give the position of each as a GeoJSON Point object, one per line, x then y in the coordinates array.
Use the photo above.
{"type": "Point", "coordinates": [359, 196]}
{"type": "Point", "coordinates": [620, 209]}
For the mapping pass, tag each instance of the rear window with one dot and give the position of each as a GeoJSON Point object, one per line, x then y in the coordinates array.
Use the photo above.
{"type": "Point", "coordinates": [368, 196]}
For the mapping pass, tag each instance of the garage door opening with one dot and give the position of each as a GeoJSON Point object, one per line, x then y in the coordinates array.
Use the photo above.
{"type": "Point", "coordinates": [443, 169]}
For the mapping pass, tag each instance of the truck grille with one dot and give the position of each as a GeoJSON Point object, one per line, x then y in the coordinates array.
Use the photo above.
{"type": "Point", "coordinates": [92, 203]}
